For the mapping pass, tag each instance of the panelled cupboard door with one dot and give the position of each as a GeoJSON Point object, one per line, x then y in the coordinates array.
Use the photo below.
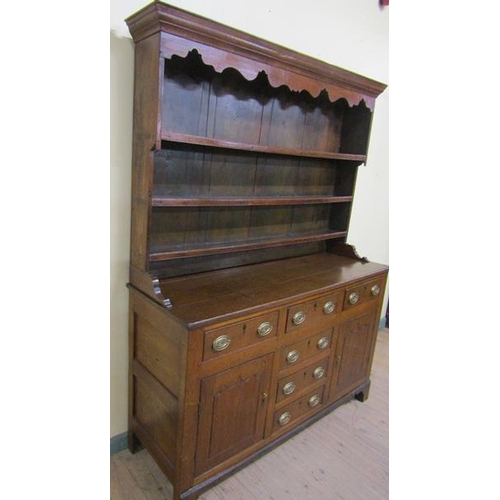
{"type": "Point", "coordinates": [233, 407]}
{"type": "Point", "coordinates": [354, 346]}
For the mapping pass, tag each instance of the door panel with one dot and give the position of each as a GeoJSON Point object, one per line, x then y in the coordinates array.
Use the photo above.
{"type": "Point", "coordinates": [352, 355]}
{"type": "Point", "coordinates": [232, 411]}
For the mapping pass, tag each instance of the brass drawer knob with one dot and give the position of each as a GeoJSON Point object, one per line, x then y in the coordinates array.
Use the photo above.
{"type": "Point", "coordinates": [318, 372]}
{"type": "Point", "coordinates": [375, 290]}
{"type": "Point", "coordinates": [298, 318]}
{"type": "Point", "coordinates": [353, 298]}
{"type": "Point", "coordinates": [264, 329]}
{"type": "Point", "coordinates": [292, 357]}
{"type": "Point", "coordinates": [323, 343]}
{"type": "Point", "coordinates": [314, 401]}
{"type": "Point", "coordinates": [221, 343]}
{"type": "Point", "coordinates": [329, 307]}
{"type": "Point", "coordinates": [288, 388]}
{"type": "Point", "coordinates": [285, 418]}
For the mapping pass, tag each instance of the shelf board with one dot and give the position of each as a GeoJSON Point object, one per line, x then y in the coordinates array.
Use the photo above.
{"type": "Point", "coordinates": [179, 201]}
{"type": "Point", "coordinates": [256, 148]}
{"type": "Point", "coordinates": [200, 249]}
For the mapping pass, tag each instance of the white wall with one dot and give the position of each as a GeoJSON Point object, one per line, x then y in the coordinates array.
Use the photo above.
{"type": "Point", "coordinates": [350, 34]}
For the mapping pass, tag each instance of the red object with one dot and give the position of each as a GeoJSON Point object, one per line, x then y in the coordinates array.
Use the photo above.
{"type": "Point", "coordinates": [384, 2]}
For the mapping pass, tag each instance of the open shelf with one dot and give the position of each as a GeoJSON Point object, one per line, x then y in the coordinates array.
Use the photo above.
{"type": "Point", "coordinates": [257, 148]}
{"type": "Point", "coordinates": [194, 175]}
{"type": "Point", "coordinates": [199, 249]}
{"type": "Point", "coordinates": [247, 201]}
{"type": "Point", "coordinates": [246, 171]}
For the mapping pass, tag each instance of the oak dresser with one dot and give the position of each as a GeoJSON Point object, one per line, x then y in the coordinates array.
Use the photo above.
{"type": "Point", "coordinates": [250, 315]}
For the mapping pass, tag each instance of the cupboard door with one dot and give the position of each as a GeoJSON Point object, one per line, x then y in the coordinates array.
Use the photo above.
{"type": "Point", "coordinates": [354, 351]}
{"type": "Point", "coordinates": [233, 407]}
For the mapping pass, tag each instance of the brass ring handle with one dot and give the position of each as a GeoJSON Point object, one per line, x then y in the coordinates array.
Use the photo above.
{"type": "Point", "coordinates": [298, 318]}
{"type": "Point", "coordinates": [292, 357]}
{"type": "Point", "coordinates": [323, 343]}
{"type": "Point", "coordinates": [375, 290]}
{"type": "Point", "coordinates": [221, 343]}
{"type": "Point", "coordinates": [264, 329]}
{"type": "Point", "coordinates": [353, 298]}
{"type": "Point", "coordinates": [329, 307]}
{"type": "Point", "coordinates": [314, 401]}
{"type": "Point", "coordinates": [318, 372]}
{"type": "Point", "coordinates": [288, 388]}
{"type": "Point", "coordinates": [285, 418]}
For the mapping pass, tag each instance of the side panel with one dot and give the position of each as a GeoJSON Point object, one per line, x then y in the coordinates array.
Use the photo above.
{"type": "Point", "coordinates": [147, 93]}
{"type": "Point", "coordinates": [157, 350]}
{"type": "Point", "coordinates": [156, 411]}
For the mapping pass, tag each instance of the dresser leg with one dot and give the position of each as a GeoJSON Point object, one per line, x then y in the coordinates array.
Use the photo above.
{"type": "Point", "coordinates": [134, 445]}
{"type": "Point", "coordinates": [363, 394]}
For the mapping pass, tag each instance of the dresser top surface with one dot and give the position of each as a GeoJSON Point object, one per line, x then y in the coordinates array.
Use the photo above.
{"type": "Point", "coordinates": [205, 298]}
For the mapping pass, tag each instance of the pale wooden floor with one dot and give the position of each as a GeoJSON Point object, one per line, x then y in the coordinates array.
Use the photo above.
{"type": "Point", "coordinates": [344, 456]}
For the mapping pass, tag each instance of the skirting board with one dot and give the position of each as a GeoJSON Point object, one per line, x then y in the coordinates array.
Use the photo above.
{"type": "Point", "coordinates": [118, 443]}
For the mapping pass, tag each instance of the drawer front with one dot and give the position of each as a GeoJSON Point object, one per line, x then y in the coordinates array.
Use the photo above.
{"type": "Point", "coordinates": [289, 387]}
{"type": "Point", "coordinates": [312, 313]}
{"type": "Point", "coordinates": [294, 354]}
{"type": "Point", "coordinates": [359, 294]}
{"type": "Point", "coordinates": [230, 338]}
{"type": "Point", "coordinates": [286, 417]}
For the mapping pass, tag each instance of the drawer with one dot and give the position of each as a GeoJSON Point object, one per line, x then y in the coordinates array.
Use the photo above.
{"type": "Point", "coordinates": [287, 416]}
{"type": "Point", "coordinates": [294, 354]}
{"type": "Point", "coordinates": [230, 338]}
{"type": "Point", "coordinates": [312, 313]}
{"type": "Point", "coordinates": [359, 294]}
{"type": "Point", "coordinates": [295, 383]}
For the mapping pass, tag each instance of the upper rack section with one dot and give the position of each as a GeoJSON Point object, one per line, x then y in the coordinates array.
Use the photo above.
{"type": "Point", "coordinates": [244, 151]}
